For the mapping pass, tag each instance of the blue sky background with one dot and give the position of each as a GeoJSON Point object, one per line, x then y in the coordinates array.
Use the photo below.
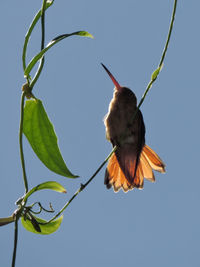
{"type": "Point", "coordinates": [158, 226]}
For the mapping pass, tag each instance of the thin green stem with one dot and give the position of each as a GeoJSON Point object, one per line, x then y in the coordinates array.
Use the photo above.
{"type": "Point", "coordinates": [41, 64]}
{"type": "Point", "coordinates": [83, 186]}
{"type": "Point", "coordinates": [43, 24]}
{"type": "Point", "coordinates": [161, 60]}
{"type": "Point", "coordinates": [28, 34]}
{"type": "Point", "coordinates": [163, 54]}
{"type": "Point", "coordinates": [21, 143]}
{"type": "Point", "coordinates": [15, 243]}
{"type": "Point", "coordinates": [169, 33]}
{"type": "Point", "coordinates": [27, 37]}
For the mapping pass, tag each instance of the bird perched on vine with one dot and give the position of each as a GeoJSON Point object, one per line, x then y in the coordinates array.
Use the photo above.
{"type": "Point", "coordinates": [132, 160]}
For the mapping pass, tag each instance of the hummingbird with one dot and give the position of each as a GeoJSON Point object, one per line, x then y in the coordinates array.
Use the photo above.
{"type": "Point", "coordinates": [132, 160]}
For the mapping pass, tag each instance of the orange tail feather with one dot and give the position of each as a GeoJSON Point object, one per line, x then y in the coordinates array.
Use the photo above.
{"type": "Point", "coordinates": [153, 159]}
{"type": "Point", "coordinates": [116, 177]}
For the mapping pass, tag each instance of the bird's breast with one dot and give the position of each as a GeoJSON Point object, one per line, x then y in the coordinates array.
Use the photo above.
{"type": "Point", "coordinates": [118, 122]}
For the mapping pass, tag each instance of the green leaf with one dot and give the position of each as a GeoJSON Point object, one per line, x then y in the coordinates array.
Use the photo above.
{"type": "Point", "coordinates": [156, 72]}
{"type": "Point", "coordinates": [41, 135]}
{"type": "Point", "coordinates": [52, 43]}
{"type": "Point", "coordinates": [46, 229]}
{"type": "Point", "coordinates": [52, 185]}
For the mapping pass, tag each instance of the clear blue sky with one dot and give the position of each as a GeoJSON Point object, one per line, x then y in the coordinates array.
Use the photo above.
{"type": "Point", "coordinates": [158, 226]}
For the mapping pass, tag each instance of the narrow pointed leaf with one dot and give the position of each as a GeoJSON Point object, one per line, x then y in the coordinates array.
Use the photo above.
{"type": "Point", "coordinates": [52, 43]}
{"type": "Point", "coordinates": [41, 135]}
{"type": "Point", "coordinates": [46, 229]}
{"type": "Point", "coordinates": [52, 185]}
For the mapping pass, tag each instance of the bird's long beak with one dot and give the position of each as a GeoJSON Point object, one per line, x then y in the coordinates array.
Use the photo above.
{"type": "Point", "coordinates": [112, 77]}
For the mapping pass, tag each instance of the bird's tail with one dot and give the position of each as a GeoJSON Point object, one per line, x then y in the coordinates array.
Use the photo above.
{"type": "Point", "coordinates": [123, 171]}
